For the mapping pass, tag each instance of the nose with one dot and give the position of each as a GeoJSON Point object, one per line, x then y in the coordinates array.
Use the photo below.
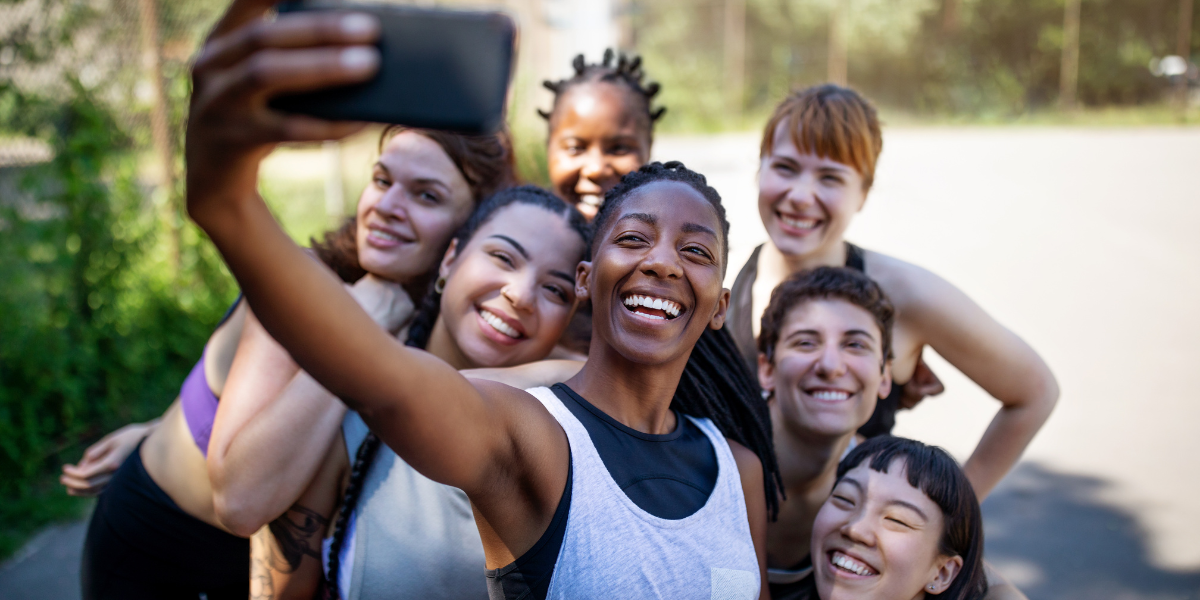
{"type": "Point", "coordinates": [394, 203]}
{"type": "Point", "coordinates": [595, 167]}
{"type": "Point", "coordinates": [802, 192]}
{"type": "Point", "coordinates": [830, 364]}
{"type": "Point", "coordinates": [858, 529]}
{"type": "Point", "coordinates": [662, 262]}
{"type": "Point", "coordinates": [520, 293]}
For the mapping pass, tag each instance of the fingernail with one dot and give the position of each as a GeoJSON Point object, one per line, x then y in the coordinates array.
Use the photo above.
{"type": "Point", "coordinates": [359, 58]}
{"type": "Point", "coordinates": [357, 24]}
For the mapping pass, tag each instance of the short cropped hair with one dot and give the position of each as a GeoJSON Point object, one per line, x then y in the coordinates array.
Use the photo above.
{"type": "Point", "coordinates": [826, 283]}
{"type": "Point", "coordinates": [832, 122]}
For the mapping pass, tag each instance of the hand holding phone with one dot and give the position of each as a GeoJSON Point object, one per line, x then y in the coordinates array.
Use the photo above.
{"type": "Point", "coordinates": [440, 69]}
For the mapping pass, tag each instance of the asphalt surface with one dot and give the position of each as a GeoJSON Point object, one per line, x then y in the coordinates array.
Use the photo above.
{"type": "Point", "coordinates": [1083, 242]}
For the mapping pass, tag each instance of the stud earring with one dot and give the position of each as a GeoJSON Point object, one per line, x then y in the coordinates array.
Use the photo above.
{"type": "Point", "coordinates": [439, 286]}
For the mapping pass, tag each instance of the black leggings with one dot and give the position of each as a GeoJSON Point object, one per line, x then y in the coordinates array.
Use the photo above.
{"type": "Point", "coordinates": [140, 544]}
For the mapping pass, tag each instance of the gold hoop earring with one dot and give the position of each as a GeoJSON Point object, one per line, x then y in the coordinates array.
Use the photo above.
{"type": "Point", "coordinates": [439, 286]}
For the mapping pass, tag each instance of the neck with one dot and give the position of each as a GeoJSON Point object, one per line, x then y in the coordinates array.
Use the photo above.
{"type": "Point", "coordinates": [442, 345]}
{"type": "Point", "coordinates": [807, 460]}
{"type": "Point", "coordinates": [636, 395]}
{"type": "Point", "coordinates": [830, 255]}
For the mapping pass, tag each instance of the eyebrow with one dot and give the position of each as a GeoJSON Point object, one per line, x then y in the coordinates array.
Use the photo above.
{"type": "Point", "coordinates": [515, 244]}
{"type": "Point", "coordinates": [697, 228]}
{"type": "Point", "coordinates": [646, 218]}
{"type": "Point", "coordinates": [908, 505]}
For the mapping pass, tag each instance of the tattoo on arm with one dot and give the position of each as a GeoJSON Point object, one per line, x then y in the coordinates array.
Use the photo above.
{"type": "Point", "coordinates": [262, 583]}
{"type": "Point", "coordinates": [297, 534]}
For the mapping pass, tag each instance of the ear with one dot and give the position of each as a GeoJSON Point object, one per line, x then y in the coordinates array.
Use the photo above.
{"type": "Point", "coordinates": [583, 275]}
{"type": "Point", "coordinates": [448, 259]}
{"type": "Point", "coordinates": [885, 384]}
{"type": "Point", "coordinates": [949, 568]}
{"type": "Point", "coordinates": [766, 373]}
{"type": "Point", "coordinates": [718, 319]}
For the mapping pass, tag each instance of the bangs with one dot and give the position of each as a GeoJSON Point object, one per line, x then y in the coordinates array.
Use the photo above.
{"type": "Point", "coordinates": [832, 123]}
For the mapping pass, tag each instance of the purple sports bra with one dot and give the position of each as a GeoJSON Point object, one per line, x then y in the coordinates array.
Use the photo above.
{"type": "Point", "coordinates": [199, 405]}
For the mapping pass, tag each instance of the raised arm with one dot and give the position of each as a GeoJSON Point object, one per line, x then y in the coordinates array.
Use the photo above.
{"type": "Point", "coordinates": [275, 422]}
{"type": "Point", "coordinates": [993, 357]}
{"type": "Point", "coordinates": [499, 445]}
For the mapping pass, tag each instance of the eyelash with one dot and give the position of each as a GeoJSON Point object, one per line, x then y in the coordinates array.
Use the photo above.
{"type": "Point", "coordinates": [503, 257]}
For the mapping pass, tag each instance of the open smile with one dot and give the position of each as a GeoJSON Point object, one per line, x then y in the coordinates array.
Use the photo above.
{"type": "Point", "coordinates": [828, 394]}
{"type": "Point", "coordinates": [798, 224]}
{"type": "Point", "coordinates": [652, 307]}
{"type": "Point", "coordinates": [386, 238]}
{"type": "Point", "coordinates": [845, 565]}
{"type": "Point", "coordinates": [499, 327]}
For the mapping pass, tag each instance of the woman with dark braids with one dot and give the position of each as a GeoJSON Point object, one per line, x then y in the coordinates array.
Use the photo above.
{"type": "Point", "coordinates": [504, 294]}
{"type": "Point", "coordinates": [158, 529]}
{"type": "Point", "coordinates": [601, 127]}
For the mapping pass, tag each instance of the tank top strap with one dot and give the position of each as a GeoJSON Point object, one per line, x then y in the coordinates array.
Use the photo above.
{"type": "Point", "coordinates": [856, 258]}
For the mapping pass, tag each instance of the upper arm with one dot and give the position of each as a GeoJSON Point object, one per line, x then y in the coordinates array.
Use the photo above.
{"type": "Point", "coordinates": [260, 371]}
{"type": "Point", "coordinates": [750, 472]}
{"type": "Point", "coordinates": [942, 316]}
{"type": "Point", "coordinates": [528, 375]}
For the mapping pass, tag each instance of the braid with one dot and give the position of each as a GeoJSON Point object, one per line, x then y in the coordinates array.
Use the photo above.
{"type": "Point", "coordinates": [358, 475]}
{"type": "Point", "coordinates": [717, 385]}
{"type": "Point", "coordinates": [627, 71]}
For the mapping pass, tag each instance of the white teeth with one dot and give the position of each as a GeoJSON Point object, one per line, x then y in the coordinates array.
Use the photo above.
{"type": "Point", "coordinates": [498, 324]}
{"type": "Point", "coordinates": [385, 235]}
{"type": "Point", "coordinates": [667, 306]}
{"type": "Point", "coordinates": [592, 200]}
{"type": "Point", "coordinates": [799, 223]}
{"type": "Point", "coordinates": [851, 565]}
{"type": "Point", "coordinates": [830, 395]}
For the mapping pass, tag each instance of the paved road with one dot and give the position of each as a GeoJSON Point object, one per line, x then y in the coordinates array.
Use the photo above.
{"type": "Point", "coordinates": [1083, 242]}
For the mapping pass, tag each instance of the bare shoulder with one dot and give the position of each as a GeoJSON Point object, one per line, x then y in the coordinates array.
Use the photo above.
{"type": "Point", "coordinates": [913, 290]}
{"type": "Point", "coordinates": [748, 464]}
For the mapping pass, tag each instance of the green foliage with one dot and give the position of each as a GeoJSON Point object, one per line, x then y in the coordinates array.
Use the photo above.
{"type": "Point", "coordinates": [98, 329]}
{"type": "Point", "coordinates": [996, 59]}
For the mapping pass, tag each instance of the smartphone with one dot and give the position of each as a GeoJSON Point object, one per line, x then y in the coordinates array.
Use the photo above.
{"type": "Point", "coordinates": [440, 69]}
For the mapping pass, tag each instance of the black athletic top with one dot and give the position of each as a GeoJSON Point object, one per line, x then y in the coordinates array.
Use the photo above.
{"type": "Point", "coordinates": [741, 328]}
{"type": "Point", "coordinates": [669, 476]}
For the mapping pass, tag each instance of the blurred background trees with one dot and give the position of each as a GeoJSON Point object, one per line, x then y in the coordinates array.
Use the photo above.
{"type": "Point", "coordinates": [107, 293]}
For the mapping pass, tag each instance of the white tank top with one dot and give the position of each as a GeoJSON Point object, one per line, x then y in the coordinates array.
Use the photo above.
{"type": "Point", "coordinates": [613, 548]}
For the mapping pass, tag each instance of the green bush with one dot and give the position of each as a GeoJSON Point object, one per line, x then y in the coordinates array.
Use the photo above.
{"type": "Point", "coordinates": [98, 328]}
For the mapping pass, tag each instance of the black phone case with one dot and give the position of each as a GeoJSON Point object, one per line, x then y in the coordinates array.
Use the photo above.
{"type": "Point", "coordinates": [440, 69]}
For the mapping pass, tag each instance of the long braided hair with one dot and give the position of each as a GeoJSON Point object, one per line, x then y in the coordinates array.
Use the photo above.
{"type": "Point", "coordinates": [716, 384]}
{"type": "Point", "coordinates": [419, 333]}
{"type": "Point", "coordinates": [626, 71]}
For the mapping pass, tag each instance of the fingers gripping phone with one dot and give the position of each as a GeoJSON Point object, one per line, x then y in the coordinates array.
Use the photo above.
{"type": "Point", "coordinates": [439, 69]}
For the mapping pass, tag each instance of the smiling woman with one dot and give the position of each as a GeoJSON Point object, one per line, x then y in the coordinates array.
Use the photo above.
{"type": "Point", "coordinates": [902, 522]}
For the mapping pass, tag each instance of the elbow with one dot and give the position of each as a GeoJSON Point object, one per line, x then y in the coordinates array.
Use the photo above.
{"type": "Point", "coordinates": [240, 516]}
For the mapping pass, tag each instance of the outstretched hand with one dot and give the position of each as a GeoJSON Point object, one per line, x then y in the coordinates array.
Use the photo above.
{"type": "Point", "coordinates": [247, 60]}
{"type": "Point", "coordinates": [102, 459]}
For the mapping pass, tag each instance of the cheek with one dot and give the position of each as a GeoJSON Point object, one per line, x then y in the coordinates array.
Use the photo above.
{"type": "Point", "coordinates": [624, 165]}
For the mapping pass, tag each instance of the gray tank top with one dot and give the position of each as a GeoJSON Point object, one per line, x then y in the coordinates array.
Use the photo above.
{"type": "Point", "coordinates": [613, 548]}
{"type": "Point", "coordinates": [412, 537]}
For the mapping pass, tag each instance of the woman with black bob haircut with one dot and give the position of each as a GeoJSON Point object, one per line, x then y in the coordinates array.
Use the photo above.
{"type": "Point", "coordinates": [902, 522]}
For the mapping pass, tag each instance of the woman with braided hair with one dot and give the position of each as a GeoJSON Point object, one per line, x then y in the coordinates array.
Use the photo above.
{"type": "Point", "coordinates": [158, 530]}
{"type": "Point", "coordinates": [601, 126]}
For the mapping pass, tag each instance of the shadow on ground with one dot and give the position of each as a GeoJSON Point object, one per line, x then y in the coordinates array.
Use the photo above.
{"type": "Point", "coordinates": [1052, 536]}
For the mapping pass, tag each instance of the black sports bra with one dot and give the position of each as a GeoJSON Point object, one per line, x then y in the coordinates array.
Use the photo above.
{"type": "Point", "coordinates": [741, 328]}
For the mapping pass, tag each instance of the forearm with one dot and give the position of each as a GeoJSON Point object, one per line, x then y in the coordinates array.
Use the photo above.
{"type": "Point", "coordinates": [272, 577]}
{"type": "Point", "coordinates": [1006, 438]}
{"type": "Point", "coordinates": [268, 464]}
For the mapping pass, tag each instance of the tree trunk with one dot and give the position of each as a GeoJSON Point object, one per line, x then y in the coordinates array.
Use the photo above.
{"type": "Point", "coordinates": [838, 59]}
{"type": "Point", "coordinates": [1183, 47]}
{"type": "Point", "coordinates": [735, 54]}
{"type": "Point", "coordinates": [1068, 83]}
{"type": "Point", "coordinates": [160, 128]}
